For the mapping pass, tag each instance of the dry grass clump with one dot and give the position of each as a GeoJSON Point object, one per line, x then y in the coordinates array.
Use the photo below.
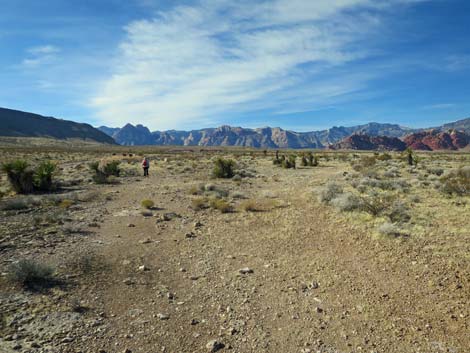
{"type": "Point", "coordinates": [66, 203]}
{"type": "Point", "coordinates": [221, 205]}
{"type": "Point", "coordinates": [199, 203]}
{"type": "Point", "coordinates": [364, 163]}
{"type": "Point", "coordinates": [147, 204]}
{"type": "Point", "coordinates": [31, 274]}
{"type": "Point", "coordinates": [389, 229]}
{"type": "Point", "coordinates": [250, 206]}
{"type": "Point", "coordinates": [88, 263]}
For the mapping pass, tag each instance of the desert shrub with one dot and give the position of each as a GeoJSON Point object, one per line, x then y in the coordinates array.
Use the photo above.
{"type": "Point", "coordinates": [250, 206]}
{"type": "Point", "coordinates": [376, 203]}
{"type": "Point", "coordinates": [238, 195]}
{"type": "Point", "coordinates": [20, 176]}
{"type": "Point", "coordinates": [199, 203]}
{"type": "Point", "coordinates": [148, 204]}
{"type": "Point", "coordinates": [289, 163]}
{"type": "Point", "coordinates": [104, 170]}
{"type": "Point", "coordinates": [43, 176]}
{"type": "Point", "coordinates": [31, 274]}
{"type": "Point", "coordinates": [384, 157]}
{"type": "Point", "coordinates": [435, 171]}
{"type": "Point", "coordinates": [221, 205]}
{"type": "Point", "coordinates": [347, 202]}
{"type": "Point", "coordinates": [456, 182]}
{"type": "Point", "coordinates": [364, 163]}
{"type": "Point", "coordinates": [88, 263]}
{"type": "Point", "coordinates": [398, 212]}
{"type": "Point", "coordinates": [65, 203]}
{"type": "Point", "coordinates": [392, 172]}
{"type": "Point", "coordinates": [389, 229]}
{"type": "Point", "coordinates": [223, 168]}
{"type": "Point", "coordinates": [194, 190]}
{"type": "Point", "coordinates": [329, 192]}
{"type": "Point", "coordinates": [303, 161]}
{"type": "Point", "coordinates": [14, 205]}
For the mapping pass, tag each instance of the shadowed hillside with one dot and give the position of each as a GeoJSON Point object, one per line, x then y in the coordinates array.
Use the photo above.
{"type": "Point", "coordinates": [16, 123]}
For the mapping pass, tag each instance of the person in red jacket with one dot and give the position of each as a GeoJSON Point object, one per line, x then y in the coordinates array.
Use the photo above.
{"type": "Point", "coordinates": [146, 166]}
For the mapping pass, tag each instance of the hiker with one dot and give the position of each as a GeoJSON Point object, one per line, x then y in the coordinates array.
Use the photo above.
{"type": "Point", "coordinates": [145, 166]}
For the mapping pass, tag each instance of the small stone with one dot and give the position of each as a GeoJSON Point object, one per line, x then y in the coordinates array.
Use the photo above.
{"type": "Point", "coordinates": [163, 316]}
{"type": "Point", "coordinates": [190, 235]}
{"type": "Point", "coordinates": [194, 322]}
{"type": "Point", "coordinates": [143, 268]}
{"type": "Point", "coordinates": [245, 270]}
{"type": "Point", "coordinates": [214, 346]}
{"type": "Point", "coordinates": [131, 225]}
{"type": "Point", "coordinates": [145, 241]}
{"type": "Point", "coordinates": [318, 310]}
{"type": "Point", "coordinates": [127, 350]}
{"type": "Point", "coordinates": [128, 281]}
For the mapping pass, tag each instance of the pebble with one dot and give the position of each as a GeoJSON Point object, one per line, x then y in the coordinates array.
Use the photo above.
{"type": "Point", "coordinates": [163, 316]}
{"type": "Point", "coordinates": [214, 346]}
{"type": "Point", "coordinates": [131, 225]}
{"type": "Point", "coordinates": [245, 270]}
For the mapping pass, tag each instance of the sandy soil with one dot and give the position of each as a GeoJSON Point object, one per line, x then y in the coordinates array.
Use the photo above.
{"type": "Point", "coordinates": [294, 277]}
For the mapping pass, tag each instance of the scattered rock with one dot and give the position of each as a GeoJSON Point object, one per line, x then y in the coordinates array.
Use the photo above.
{"type": "Point", "coordinates": [163, 316]}
{"type": "Point", "coordinates": [214, 346]}
{"type": "Point", "coordinates": [245, 270]}
{"type": "Point", "coordinates": [131, 225]}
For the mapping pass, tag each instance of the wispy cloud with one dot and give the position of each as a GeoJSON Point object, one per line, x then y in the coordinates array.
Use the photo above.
{"type": "Point", "coordinates": [40, 55]}
{"type": "Point", "coordinates": [439, 106]}
{"type": "Point", "coordinates": [189, 65]}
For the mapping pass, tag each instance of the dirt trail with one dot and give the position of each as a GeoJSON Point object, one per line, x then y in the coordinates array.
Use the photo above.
{"type": "Point", "coordinates": [318, 284]}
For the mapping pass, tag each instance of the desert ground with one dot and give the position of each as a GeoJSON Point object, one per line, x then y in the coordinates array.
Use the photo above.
{"type": "Point", "coordinates": [361, 253]}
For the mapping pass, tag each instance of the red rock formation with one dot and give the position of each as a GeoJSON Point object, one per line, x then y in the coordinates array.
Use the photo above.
{"type": "Point", "coordinates": [431, 140]}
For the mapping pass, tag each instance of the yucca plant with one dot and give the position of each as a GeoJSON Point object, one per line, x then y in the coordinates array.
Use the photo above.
{"type": "Point", "coordinates": [19, 175]}
{"type": "Point", "coordinates": [43, 176]}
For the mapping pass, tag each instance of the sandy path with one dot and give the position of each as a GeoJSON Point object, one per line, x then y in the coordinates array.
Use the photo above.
{"type": "Point", "coordinates": [318, 284]}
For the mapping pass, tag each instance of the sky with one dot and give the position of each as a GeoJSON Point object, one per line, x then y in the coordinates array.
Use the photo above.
{"type": "Point", "coordinates": [299, 64]}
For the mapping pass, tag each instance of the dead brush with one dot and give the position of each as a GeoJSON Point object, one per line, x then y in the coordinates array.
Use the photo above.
{"type": "Point", "coordinates": [221, 205]}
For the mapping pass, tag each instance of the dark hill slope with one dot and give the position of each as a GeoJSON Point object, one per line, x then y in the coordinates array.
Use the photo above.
{"type": "Point", "coordinates": [21, 124]}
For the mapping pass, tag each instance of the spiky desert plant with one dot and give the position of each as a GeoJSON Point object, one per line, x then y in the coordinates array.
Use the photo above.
{"type": "Point", "coordinates": [19, 175]}
{"type": "Point", "coordinates": [43, 176]}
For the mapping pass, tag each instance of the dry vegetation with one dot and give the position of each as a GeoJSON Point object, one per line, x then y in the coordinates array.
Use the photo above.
{"type": "Point", "coordinates": [289, 252]}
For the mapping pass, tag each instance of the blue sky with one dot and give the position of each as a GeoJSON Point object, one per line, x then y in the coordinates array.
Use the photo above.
{"type": "Point", "coordinates": [299, 64]}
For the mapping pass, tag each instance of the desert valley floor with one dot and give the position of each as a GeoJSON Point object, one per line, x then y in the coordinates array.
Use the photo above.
{"type": "Point", "coordinates": [273, 269]}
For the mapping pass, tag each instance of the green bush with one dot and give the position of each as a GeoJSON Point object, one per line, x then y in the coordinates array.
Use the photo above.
{"type": "Point", "coordinates": [223, 168]}
{"type": "Point", "coordinates": [148, 204]}
{"type": "Point", "coordinates": [104, 170]}
{"type": "Point", "coordinates": [43, 176]}
{"type": "Point", "coordinates": [20, 176]}
{"type": "Point", "coordinates": [31, 274]}
{"type": "Point", "coordinates": [289, 163]}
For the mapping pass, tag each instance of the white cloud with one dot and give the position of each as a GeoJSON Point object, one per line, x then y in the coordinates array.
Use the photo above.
{"type": "Point", "coordinates": [40, 55]}
{"type": "Point", "coordinates": [190, 65]}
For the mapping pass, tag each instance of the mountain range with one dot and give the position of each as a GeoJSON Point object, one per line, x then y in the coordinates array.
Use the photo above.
{"type": "Point", "coordinates": [15, 123]}
{"type": "Point", "coordinates": [371, 136]}
{"type": "Point", "coordinates": [265, 137]}
{"type": "Point", "coordinates": [368, 136]}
